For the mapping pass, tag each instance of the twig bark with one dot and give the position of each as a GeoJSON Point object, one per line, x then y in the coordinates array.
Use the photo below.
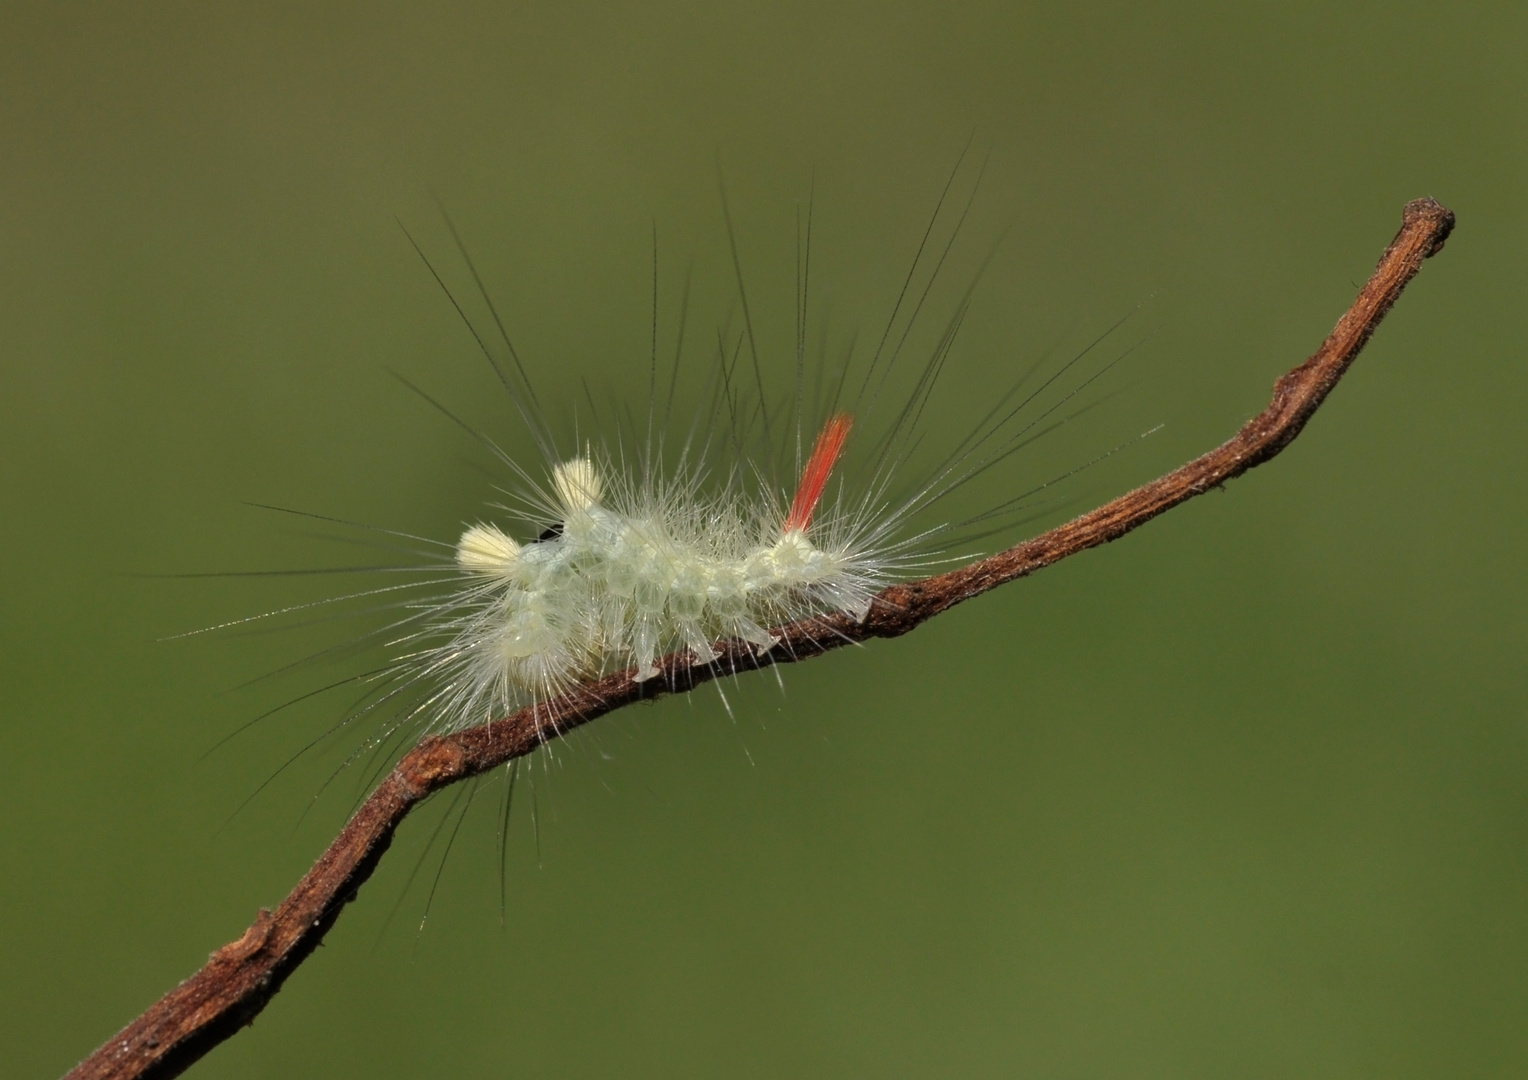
{"type": "Point", "coordinates": [240, 978]}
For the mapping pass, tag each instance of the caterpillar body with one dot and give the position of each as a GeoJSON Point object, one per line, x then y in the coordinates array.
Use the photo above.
{"type": "Point", "coordinates": [626, 576]}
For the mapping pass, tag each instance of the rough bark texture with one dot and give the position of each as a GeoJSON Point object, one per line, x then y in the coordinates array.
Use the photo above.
{"type": "Point", "coordinates": [241, 977]}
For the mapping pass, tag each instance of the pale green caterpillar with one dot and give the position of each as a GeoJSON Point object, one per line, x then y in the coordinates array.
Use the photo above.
{"type": "Point", "coordinates": [625, 579]}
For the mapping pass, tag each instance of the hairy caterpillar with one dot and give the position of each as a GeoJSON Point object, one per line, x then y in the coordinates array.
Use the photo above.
{"type": "Point", "coordinates": [791, 490]}
{"type": "Point", "coordinates": [621, 581]}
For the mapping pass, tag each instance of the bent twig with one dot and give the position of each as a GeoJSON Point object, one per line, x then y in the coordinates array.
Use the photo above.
{"type": "Point", "coordinates": [241, 978]}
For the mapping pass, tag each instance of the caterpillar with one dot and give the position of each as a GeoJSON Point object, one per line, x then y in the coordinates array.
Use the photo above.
{"type": "Point", "coordinates": [620, 582]}
{"type": "Point", "coordinates": [669, 541]}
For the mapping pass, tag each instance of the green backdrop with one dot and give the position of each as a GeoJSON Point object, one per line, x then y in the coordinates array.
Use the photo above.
{"type": "Point", "coordinates": [1241, 795]}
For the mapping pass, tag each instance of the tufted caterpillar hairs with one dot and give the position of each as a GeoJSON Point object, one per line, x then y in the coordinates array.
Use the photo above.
{"type": "Point", "coordinates": [799, 482]}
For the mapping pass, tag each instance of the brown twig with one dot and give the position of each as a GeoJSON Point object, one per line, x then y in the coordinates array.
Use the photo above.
{"type": "Point", "coordinates": [241, 977]}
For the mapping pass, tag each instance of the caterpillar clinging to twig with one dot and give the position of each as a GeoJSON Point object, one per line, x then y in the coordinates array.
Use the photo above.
{"type": "Point", "coordinates": [670, 536]}
{"type": "Point", "coordinates": [629, 574]}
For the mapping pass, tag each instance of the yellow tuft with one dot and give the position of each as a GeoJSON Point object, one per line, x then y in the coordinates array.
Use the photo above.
{"type": "Point", "coordinates": [578, 485]}
{"type": "Point", "coordinates": [485, 550]}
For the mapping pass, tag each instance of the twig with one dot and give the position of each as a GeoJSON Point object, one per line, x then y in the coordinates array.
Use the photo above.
{"type": "Point", "coordinates": [241, 977]}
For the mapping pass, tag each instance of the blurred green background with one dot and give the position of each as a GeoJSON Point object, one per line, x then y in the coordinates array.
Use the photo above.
{"type": "Point", "coordinates": [1242, 794]}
